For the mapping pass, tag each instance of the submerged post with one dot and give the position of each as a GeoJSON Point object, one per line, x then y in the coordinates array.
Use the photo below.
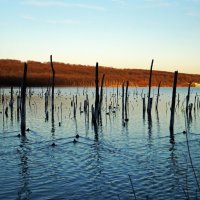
{"type": "Point", "coordinates": [23, 101]}
{"type": "Point", "coordinates": [144, 105]}
{"type": "Point", "coordinates": [158, 96]}
{"type": "Point", "coordinates": [123, 102]}
{"type": "Point", "coordinates": [188, 98]}
{"type": "Point", "coordinates": [97, 90]}
{"type": "Point", "coordinates": [173, 102]}
{"type": "Point", "coordinates": [101, 93]}
{"type": "Point", "coordinates": [53, 84]}
{"type": "Point", "coordinates": [149, 93]}
{"type": "Point", "coordinates": [126, 101]}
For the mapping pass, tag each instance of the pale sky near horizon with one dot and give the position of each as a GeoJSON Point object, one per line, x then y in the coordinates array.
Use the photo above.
{"type": "Point", "coordinates": [116, 33]}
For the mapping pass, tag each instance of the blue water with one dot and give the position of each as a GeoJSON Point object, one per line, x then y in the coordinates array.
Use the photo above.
{"type": "Point", "coordinates": [99, 167]}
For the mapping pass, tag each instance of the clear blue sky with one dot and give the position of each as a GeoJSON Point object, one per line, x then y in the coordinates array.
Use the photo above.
{"type": "Point", "coordinates": [118, 33]}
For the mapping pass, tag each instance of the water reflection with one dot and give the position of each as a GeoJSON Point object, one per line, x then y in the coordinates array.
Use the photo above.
{"type": "Point", "coordinates": [149, 124]}
{"type": "Point", "coordinates": [24, 191]}
{"type": "Point", "coordinates": [52, 123]}
{"type": "Point", "coordinates": [158, 120]}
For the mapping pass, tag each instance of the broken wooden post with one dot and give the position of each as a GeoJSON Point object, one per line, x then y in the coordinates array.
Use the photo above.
{"type": "Point", "coordinates": [126, 101]}
{"type": "Point", "coordinates": [144, 106]}
{"type": "Point", "coordinates": [149, 93]}
{"type": "Point", "coordinates": [123, 102]}
{"type": "Point", "coordinates": [97, 91]}
{"type": "Point", "coordinates": [117, 95]}
{"type": "Point", "coordinates": [11, 103]}
{"type": "Point", "coordinates": [101, 93]}
{"type": "Point", "coordinates": [53, 84]}
{"type": "Point", "coordinates": [188, 98]}
{"type": "Point", "coordinates": [173, 103]}
{"type": "Point", "coordinates": [158, 96]}
{"type": "Point", "coordinates": [23, 101]}
{"type": "Point", "coordinates": [11, 98]}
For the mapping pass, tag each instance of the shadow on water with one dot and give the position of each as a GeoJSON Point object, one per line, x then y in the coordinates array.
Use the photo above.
{"type": "Point", "coordinates": [24, 191]}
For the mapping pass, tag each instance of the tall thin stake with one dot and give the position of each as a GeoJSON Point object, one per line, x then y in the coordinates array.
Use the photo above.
{"type": "Point", "coordinates": [53, 84]}
{"type": "Point", "coordinates": [173, 102]}
{"type": "Point", "coordinates": [158, 95]}
{"type": "Point", "coordinates": [188, 98]}
{"type": "Point", "coordinates": [149, 93]}
{"type": "Point", "coordinates": [97, 91]}
{"type": "Point", "coordinates": [126, 101]}
{"type": "Point", "coordinates": [101, 93]}
{"type": "Point", "coordinates": [123, 102]}
{"type": "Point", "coordinates": [23, 101]}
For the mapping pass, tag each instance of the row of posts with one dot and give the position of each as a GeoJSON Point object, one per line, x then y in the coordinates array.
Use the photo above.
{"type": "Point", "coordinates": [96, 110]}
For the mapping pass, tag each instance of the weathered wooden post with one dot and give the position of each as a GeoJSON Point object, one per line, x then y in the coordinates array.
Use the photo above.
{"type": "Point", "coordinates": [149, 93]}
{"type": "Point", "coordinates": [101, 93]}
{"type": "Point", "coordinates": [53, 84]}
{"type": "Point", "coordinates": [97, 91]}
{"type": "Point", "coordinates": [11, 103]}
{"type": "Point", "coordinates": [123, 102]}
{"type": "Point", "coordinates": [23, 101]}
{"type": "Point", "coordinates": [188, 98]}
{"type": "Point", "coordinates": [11, 98]}
{"type": "Point", "coordinates": [173, 103]}
{"type": "Point", "coordinates": [126, 101]}
{"type": "Point", "coordinates": [158, 96]}
{"type": "Point", "coordinates": [117, 95]}
{"type": "Point", "coordinates": [144, 105]}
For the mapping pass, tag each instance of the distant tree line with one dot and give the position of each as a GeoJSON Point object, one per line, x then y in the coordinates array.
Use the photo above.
{"type": "Point", "coordinates": [39, 74]}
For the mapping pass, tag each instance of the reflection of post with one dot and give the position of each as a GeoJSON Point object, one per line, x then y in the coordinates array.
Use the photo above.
{"type": "Point", "coordinates": [24, 192]}
{"type": "Point", "coordinates": [158, 121]}
{"type": "Point", "coordinates": [149, 124]}
{"type": "Point", "coordinates": [23, 102]}
{"type": "Point", "coordinates": [158, 96]}
{"type": "Point", "coordinates": [173, 106]}
{"type": "Point", "coordinates": [144, 105]}
{"type": "Point", "coordinates": [18, 107]}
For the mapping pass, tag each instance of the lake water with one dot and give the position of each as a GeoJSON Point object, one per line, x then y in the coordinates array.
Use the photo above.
{"type": "Point", "coordinates": [131, 161]}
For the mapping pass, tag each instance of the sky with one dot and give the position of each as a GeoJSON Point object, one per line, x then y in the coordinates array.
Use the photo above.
{"type": "Point", "coordinates": [115, 33]}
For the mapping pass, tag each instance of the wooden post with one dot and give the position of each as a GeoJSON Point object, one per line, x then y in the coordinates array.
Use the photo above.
{"type": "Point", "coordinates": [11, 103]}
{"type": "Point", "coordinates": [188, 98]}
{"type": "Point", "coordinates": [101, 93]}
{"type": "Point", "coordinates": [11, 98]}
{"type": "Point", "coordinates": [126, 101]}
{"type": "Point", "coordinates": [173, 103]}
{"type": "Point", "coordinates": [123, 102]}
{"type": "Point", "coordinates": [149, 93]}
{"type": "Point", "coordinates": [53, 84]}
{"type": "Point", "coordinates": [23, 101]}
{"type": "Point", "coordinates": [158, 96]}
{"type": "Point", "coordinates": [97, 91]}
{"type": "Point", "coordinates": [117, 95]}
{"type": "Point", "coordinates": [144, 106]}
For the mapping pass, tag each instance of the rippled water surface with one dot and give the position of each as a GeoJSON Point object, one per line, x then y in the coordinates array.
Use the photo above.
{"type": "Point", "coordinates": [134, 160]}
